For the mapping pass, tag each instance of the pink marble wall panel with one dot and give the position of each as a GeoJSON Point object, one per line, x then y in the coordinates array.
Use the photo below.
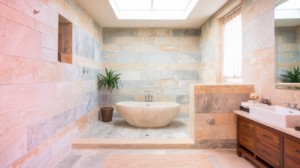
{"type": "Point", "coordinates": [40, 160]}
{"type": "Point", "coordinates": [13, 146]}
{"type": "Point", "coordinates": [49, 55]}
{"type": "Point", "coordinates": [50, 42]}
{"type": "Point", "coordinates": [19, 40]}
{"type": "Point", "coordinates": [60, 144]}
{"type": "Point", "coordinates": [45, 129]}
{"type": "Point", "coordinates": [16, 16]}
{"type": "Point", "coordinates": [63, 89]}
{"type": "Point", "coordinates": [15, 97]}
{"type": "Point", "coordinates": [36, 89]}
{"type": "Point", "coordinates": [46, 29]}
{"type": "Point", "coordinates": [15, 70]}
{"type": "Point", "coordinates": [46, 15]}
{"type": "Point", "coordinates": [18, 119]}
{"type": "Point", "coordinates": [45, 71]}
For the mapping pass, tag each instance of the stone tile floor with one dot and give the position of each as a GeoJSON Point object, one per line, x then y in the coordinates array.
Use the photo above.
{"type": "Point", "coordinates": [97, 158]}
{"type": "Point", "coordinates": [179, 128]}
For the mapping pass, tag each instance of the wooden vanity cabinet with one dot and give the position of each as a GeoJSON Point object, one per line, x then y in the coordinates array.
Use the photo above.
{"type": "Point", "coordinates": [265, 146]}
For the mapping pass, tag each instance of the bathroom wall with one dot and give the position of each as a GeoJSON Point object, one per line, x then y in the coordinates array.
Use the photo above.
{"type": "Point", "coordinates": [210, 45]}
{"type": "Point", "coordinates": [44, 103]}
{"type": "Point", "coordinates": [288, 55]}
{"type": "Point", "coordinates": [259, 52]}
{"type": "Point", "coordinates": [215, 122]}
{"type": "Point", "coordinates": [165, 61]}
{"type": "Point", "coordinates": [209, 52]}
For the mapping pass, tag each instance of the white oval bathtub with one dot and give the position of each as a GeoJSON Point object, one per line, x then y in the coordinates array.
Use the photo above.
{"type": "Point", "coordinates": [138, 114]}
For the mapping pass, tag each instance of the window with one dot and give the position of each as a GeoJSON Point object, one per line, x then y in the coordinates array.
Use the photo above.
{"type": "Point", "coordinates": [232, 46]}
{"type": "Point", "coordinates": [153, 9]}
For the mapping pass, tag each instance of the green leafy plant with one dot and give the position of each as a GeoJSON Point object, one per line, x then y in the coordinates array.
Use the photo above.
{"type": "Point", "coordinates": [111, 81]}
{"type": "Point", "coordinates": [292, 76]}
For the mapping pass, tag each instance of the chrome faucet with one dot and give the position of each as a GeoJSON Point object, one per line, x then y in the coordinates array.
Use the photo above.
{"type": "Point", "coordinates": [295, 107]}
{"type": "Point", "coordinates": [288, 105]}
{"type": "Point", "coordinates": [148, 96]}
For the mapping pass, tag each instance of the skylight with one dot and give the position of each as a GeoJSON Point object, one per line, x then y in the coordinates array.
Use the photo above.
{"type": "Point", "coordinates": [291, 4]}
{"type": "Point", "coordinates": [288, 9]}
{"type": "Point", "coordinates": [153, 9]}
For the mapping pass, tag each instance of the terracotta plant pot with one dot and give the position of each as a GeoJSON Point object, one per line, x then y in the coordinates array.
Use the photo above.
{"type": "Point", "coordinates": [107, 113]}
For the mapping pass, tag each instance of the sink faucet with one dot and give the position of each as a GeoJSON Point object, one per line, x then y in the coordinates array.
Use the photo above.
{"type": "Point", "coordinates": [295, 107]}
{"type": "Point", "coordinates": [288, 105]}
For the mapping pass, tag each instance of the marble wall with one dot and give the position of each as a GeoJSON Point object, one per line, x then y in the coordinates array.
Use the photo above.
{"type": "Point", "coordinates": [259, 52]}
{"type": "Point", "coordinates": [44, 103]}
{"type": "Point", "coordinates": [165, 61]}
{"type": "Point", "coordinates": [215, 122]}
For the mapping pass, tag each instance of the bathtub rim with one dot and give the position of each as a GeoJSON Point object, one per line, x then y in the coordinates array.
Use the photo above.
{"type": "Point", "coordinates": [172, 105]}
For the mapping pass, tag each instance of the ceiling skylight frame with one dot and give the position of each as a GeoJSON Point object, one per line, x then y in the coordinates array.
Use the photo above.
{"type": "Point", "coordinates": [153, 14]}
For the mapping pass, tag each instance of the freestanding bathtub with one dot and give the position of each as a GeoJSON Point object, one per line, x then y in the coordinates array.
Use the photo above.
{"type": "Point", "coordinates": [148, 114]}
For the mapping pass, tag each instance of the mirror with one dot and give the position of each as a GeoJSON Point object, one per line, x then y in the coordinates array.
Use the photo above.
{"type": "Point", "coordinates": [287, 59]}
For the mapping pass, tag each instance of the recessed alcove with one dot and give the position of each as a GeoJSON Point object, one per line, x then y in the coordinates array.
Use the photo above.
{"type": "Point", "coordinates": [65, 39]}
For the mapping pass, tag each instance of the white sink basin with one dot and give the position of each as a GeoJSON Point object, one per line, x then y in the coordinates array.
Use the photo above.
{"type": "Point", "coordinates": [277, 115]}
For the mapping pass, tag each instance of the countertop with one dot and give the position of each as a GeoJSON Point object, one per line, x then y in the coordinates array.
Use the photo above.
{"type": "Point", "coordinates": [287, 130]}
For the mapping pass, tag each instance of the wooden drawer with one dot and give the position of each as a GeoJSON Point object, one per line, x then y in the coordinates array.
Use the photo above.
{"type": "Point", "coordinates": [246, 141]}
{"type": "Point", "coordinates": [290, 163]}
{"type": "Point", "coordinates": [268, 153]}
{"type": "Point", "coordinates": [268, 136]}
{"type": "Point", "coordinates": [246, 126]}
{"type": "Point", "coordinates": [292, 148]}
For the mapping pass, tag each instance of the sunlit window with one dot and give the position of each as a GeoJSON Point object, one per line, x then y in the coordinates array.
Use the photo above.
{"type": "Point", "coordinates": [153, 9]}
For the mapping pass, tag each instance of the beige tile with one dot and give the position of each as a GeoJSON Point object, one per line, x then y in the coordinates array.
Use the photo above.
{"type": "Point", "coordinates": [211, 132]}
{"type": "Point", "coordinates": [166, 84]}
{"type": "Point", "coordinates": [225, 119]}
{"type": "Point", "coordinates": [160, 32]}
{"type": "Point", "coordinates": [111, 48]}
{"type": "Point", "coordinates": [130, 40]}
{"type": "Point", "coordinates": [143, 32]}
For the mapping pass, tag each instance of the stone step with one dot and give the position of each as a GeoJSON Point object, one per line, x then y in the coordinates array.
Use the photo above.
{"type": "Point", "coordinates": [133, 144]}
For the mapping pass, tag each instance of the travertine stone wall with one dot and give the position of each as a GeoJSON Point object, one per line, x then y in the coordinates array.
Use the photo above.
{"type": "Point", "coordinates": [288, 48]}
{"type": "Point", "coordinates": [259, 52]}
{"type": "Point", "coordinates": [165, 61]}
{"type": "Point", "coordinates": [44, 103]}
{"type": "Point", "coordinates": [215, 122]}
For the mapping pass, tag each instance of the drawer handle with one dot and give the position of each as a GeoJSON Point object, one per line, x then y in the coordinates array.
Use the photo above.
{"type": "Point", "coordinates": [267, 136]}
{"type": "Point", "coordinates": [245, 140]}
{"type": "Point", "coordinates": [298, 151]}
{"type": "Point", "coordinates": [267, 153]}
{"type": "Point", "coordinates": [246, 126]}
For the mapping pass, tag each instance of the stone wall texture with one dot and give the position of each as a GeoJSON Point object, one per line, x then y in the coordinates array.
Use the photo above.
{"type": "Point", "coordinates": [259, 52]}
{"type": "Point", "coordinates": [44, 103]}
{"type": "Point", "coordinates": [215, 122]}
{"type": "Point", "coordinates": [165, 61]}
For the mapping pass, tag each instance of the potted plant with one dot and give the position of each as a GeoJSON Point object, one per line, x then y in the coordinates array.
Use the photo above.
{"type": "Point", "coordinates": [292, 76]}
{"type": "Point", "coordinates": [111, 81]}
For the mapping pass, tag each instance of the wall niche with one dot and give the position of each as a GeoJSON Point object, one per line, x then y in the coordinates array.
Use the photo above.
{"type": "Point", "coordinates": [65, 40]}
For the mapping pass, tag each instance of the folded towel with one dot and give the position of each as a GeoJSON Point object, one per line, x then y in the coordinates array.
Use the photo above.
{"type": "Point", "coordinates": [247, 104]}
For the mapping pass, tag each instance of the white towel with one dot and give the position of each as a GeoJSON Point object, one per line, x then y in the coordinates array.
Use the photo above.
{"type": "Point", "coordinates": [247, 104]}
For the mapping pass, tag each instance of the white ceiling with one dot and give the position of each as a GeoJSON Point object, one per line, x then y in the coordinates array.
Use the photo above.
{"type": "Point", "coordinates": [105, 16]}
